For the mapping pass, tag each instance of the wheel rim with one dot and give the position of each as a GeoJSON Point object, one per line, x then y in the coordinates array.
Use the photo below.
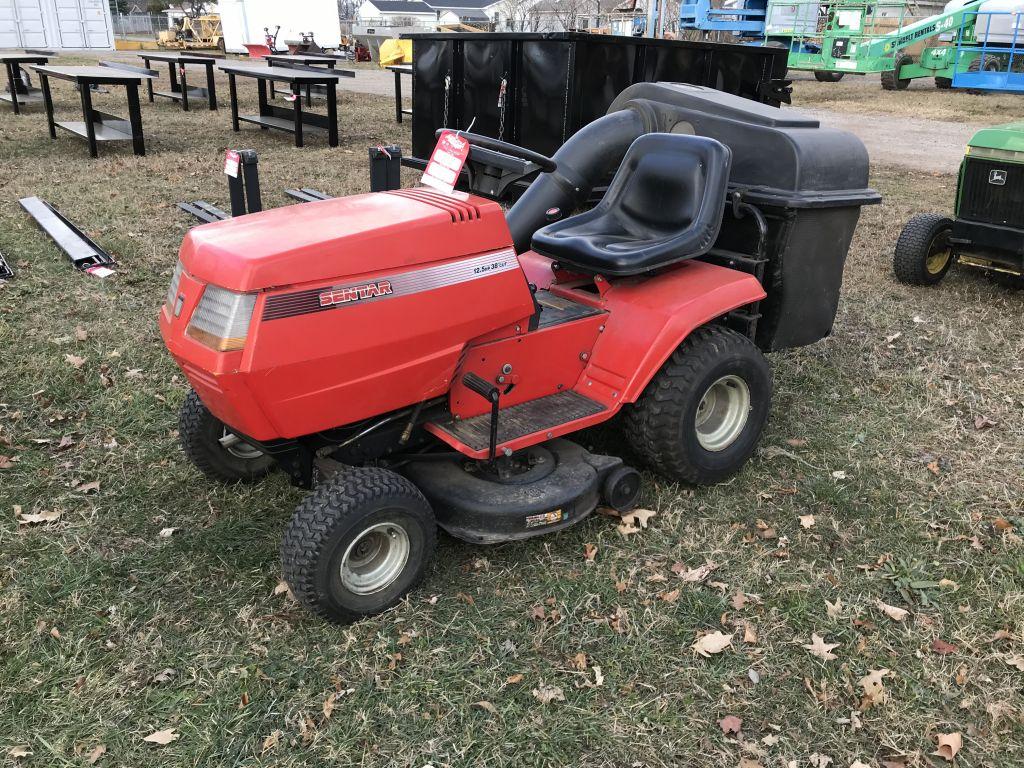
{"type": "Point", "coordinates": [722, 413]}
{"type": "Point", "coordinates": [938, 256]}
{"type": "Point", "coordinates": [375, 558]}
{"type": "Point", "coordinates": [237, 447]}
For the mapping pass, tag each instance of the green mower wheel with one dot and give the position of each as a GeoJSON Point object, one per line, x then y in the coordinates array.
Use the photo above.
{"type": "Point", "coordinates": [923, 254]}
{"type": "Point", "coordinates": [943, 83]}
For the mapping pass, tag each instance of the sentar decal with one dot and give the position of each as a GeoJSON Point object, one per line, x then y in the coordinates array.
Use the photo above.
{"type": "Point", "coordinates": [355, 293]}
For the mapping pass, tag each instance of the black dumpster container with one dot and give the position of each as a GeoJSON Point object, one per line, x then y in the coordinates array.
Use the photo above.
{"type": "Point", "coordinates": [537, 89]}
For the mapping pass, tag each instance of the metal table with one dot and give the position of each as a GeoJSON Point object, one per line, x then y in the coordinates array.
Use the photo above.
{"type": "Point", "coordinates": [20, 93]}
{"type": "Point", "coordinates": [293, 120]}
{"type": "Point", "coordinates": [304, 60]}
{"type": "Point", "coordinates": [97, 126]}
{"type": "Point", "coordinates": [399, 70]}
{"type": "Point", "coordinates": [180, 91]}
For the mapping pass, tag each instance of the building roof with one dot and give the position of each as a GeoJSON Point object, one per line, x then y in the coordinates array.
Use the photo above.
{"type": "Point", "coordinates": [458, 5]}
{"type": "Point", "coordinates": [402, 6]}
{"type": "Point", "coordinates": [465, 13]}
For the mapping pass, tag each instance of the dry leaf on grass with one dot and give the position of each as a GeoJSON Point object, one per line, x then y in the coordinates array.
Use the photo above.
{"type": "Point", "coordinates": [818, 647]}
{"type": "Point", "coordinates": [806, 521]}
{"type": "Point", "coordinates": [671, 596]}
{"type": "Point", "coordinates": [19, 751]}
{"type": "Point", "coordinates": [1015, 660]}
{"type": "Point", "coordinates": [749, 633]}
{"type": "Point", "coordinates": [589, 552]}
{"type": "Point", "coordinates": [87, 487]}
{"type": "Point", "coordinates": [833, 609]}
{"type": "Point", "coordinates": [166, 533]}
{"type": "Point", "coordinates": [96, 753]}
{"type": "Point", "coordinates": [163, 738]}
{"type": "Point", "coordinates": [730, 724]}
{"type": "Point", "coordinates": [513, 679]}
{"type": "Point", "coordinates": [894, 613]}
{"type": "Point", "coordinates": [328, 707]}
{"type": "Point", "coordinates": [163, 676]}
{"type": "Point", "coordinates": [713, 642]}
{"type": "Point", "coordinates": [46, 516]}
{"type": "Point", "coordinates": [6, 462]}
{"type": "Point", "coordinates": [546, 694]}
{"type": "Point", "coordinates": [635, 521]}
{"type": "Point", "coordinates": [75, 361]}
{"type": "Point", "coordinates": [486, 706]}
{"type": "Point", "coordinates": [948, 745]}
{"type": "Point", "coordinates": [695, 575]}
{"type": "Point", "coordinates": [943, 648]}
{"type": "Point", "coordinates": [271, 741]}
{"type": "Point", "coordinates": [874, 691]}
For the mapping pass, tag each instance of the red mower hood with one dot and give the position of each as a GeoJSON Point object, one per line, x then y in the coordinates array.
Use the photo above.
{"type": "Point", "coordinates": [340, 237]}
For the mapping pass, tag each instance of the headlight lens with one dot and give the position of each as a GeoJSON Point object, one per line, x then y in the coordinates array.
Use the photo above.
{"type": "Point", "coordinates": [221, 321]}
{"type": "Point", "coordinates": [172, 292]}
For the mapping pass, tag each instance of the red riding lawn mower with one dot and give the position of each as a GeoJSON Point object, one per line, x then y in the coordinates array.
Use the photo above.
{"type": "Point", "coordinates": [417, 359]}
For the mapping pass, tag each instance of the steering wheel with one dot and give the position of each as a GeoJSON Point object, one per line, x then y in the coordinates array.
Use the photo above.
{"type": "Point", "coordinates": [543, 162]}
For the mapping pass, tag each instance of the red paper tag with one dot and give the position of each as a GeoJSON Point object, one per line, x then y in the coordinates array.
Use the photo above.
{"type": "Point", "coordinates": [231, 162]}
{"type": "Point", "coordinates": [446, 162]}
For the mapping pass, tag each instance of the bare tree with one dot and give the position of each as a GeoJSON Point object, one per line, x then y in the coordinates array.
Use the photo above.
{"type": "Point", "coordinates": [568, 12]}
{"type": "Point", "coordinates": [519, 15]}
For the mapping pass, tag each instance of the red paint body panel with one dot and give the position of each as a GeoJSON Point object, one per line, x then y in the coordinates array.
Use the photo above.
{"type": "Point", "coordinates": [543, 362]}
{"type": "Point", "coordinates": [341, 237]}
{"type": "Point", "coordinates": [319, 353]}
{"type": "Point", "coordinates": [372, 303]}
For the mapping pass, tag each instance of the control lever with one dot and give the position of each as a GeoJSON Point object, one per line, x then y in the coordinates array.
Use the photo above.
{"type": "Point", "coordinates": [491, 394]}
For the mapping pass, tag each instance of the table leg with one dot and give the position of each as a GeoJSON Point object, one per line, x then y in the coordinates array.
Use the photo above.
{"type": "Point", "coordinates": [273, 91]}
{"type": "Point", "coordinates": [11, 80]}
{"type": "Point", "coordinates": [135, 118]}
{"type": "Point", "coordinates": [90, 126]}
{"type": "Point", "coordinates": [174, 77]}
{"type": "Point", "coordinates": [44, 83]}
{"type": "Point", "coordinates": [233, 96]}
{"type": "Point", "coordinates": [332, 114]}
{"type": "Point", "coordinates": [184, 89]}
{"type": "Point", "coordinates": [398, 96]}
{"type": "Point", "coordinates": [261, 87]}
{"type": "Point", "coordinates": [149, 81]}
{"type": "Point", "coordinates": [309, 95]}
{"type": "Point", "coordinates": [211, 88]}
{"type": "Point", "coordinates": [297, 93]}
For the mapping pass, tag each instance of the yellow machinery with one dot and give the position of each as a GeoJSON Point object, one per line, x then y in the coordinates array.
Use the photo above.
{"type": "Point", "coordinates": [198, 32]}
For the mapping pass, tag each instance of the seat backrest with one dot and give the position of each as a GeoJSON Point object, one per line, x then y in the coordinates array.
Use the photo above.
{"type": "Point", "coordinates": [666, 181]}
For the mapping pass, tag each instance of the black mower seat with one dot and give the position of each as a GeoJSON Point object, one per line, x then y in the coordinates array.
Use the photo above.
{"type": "Point", "coordinates": [665, 204]}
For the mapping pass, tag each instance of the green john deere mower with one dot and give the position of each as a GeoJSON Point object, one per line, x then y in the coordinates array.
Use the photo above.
{"type": "Point", "coordinates": [987, 228]}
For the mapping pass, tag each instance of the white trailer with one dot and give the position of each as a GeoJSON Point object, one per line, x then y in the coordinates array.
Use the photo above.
{"type": "Point", "coordinates": [56, 24]}
{"type": "Point", "coordinates": [243, 21]}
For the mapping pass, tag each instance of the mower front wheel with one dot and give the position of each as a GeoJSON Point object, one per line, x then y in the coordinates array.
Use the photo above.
{"type": "Point", "coordinates": [923, 254]}
{"type": "Point", "coordinates": [213, 449]}
{"type": "Point", "coordinates": [701, 416]}
{"type": "Point", "coordinates": [358, 543]}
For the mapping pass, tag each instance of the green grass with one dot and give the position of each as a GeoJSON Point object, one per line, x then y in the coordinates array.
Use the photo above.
{"type": "Point", "coordinates": [127, 603]}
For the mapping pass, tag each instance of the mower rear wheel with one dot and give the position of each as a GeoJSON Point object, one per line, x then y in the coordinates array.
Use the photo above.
{"type": "Point", "coordinates": [701, 416]}
{"type": "Point", "coordinates": [358, 543]}
{"type": "Point", "coordinates": [823, 76]}
{"type": "Point", "coordinates": [923, 255]}
{"type": "Point", "coordinates": [214, 450]}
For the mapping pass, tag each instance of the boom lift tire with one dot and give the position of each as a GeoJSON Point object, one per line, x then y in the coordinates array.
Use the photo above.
{"type": "Point", "coordinates": [214, 451]}
{"type": "Point", "coordinates": [823, 76]}
{"type": "Point", "coordinates": [922, 255]}
{"type": "Point", "coordinates": [358, 543]}
{"type": "Point", "coordinates": [701, 416]}
{"type": "Point", "coordinates": [890, 79]}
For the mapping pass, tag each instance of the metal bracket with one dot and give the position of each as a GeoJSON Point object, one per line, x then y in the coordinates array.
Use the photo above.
{"type": "Point", "coordinates": [83, 252]}
{"type": "Point", "coordinates": [204, 211]}
{"type": "Point", "coordinates": [6, 271]}
{"type": "Point", "coordinates": [308, 195]}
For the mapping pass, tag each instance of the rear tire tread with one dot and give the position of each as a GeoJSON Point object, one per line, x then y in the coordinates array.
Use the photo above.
{"type": "Point", "coordinates": [651, 425]}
